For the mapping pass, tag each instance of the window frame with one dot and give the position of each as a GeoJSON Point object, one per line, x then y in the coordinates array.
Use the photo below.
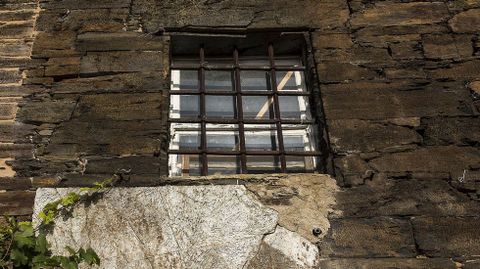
{"type": "Point", "coordinates": [272, 93]}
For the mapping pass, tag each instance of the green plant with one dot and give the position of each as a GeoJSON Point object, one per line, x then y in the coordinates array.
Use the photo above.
{"type": "Point", "coordinates": [24, 246]}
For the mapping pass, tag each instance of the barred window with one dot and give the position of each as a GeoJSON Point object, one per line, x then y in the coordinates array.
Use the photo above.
{"type": "Point", "coordinates": [237, 114]}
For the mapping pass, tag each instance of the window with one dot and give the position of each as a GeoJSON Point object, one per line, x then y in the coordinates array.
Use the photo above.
{"type": "Point", "coordinates": [241, 113]}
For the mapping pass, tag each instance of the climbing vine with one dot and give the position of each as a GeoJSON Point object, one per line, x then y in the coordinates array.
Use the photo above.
{"type": "Point", "coordinates": [23, 245]}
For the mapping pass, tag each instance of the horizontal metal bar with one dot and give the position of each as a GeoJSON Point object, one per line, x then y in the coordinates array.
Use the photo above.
{"type": "Point", "coordinates": [263, 153]}
{"type": "Point", "coordinates": [231, 67]}
{"type": "Point", "coordinates": [246, 93]}
{"type": "Point", "coordinates": [246, 121]}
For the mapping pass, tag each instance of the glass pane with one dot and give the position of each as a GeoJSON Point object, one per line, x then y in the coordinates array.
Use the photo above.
{"type": "Point", "coordinates": [184, 165]}
{"type": "Point", "coordinates": [217, 106]}
{"type": "Point", "coordinates": [300, 138]}
{"type": "Point", "coordinates": [184, 80]}
{"type": "Point", "coordinates": [290, 81]}
{"type": "Point", "coordinates": [223, 137]}
{"type": "Point", "coordinates": [263, 164]}
{"type": "Point", "coordinates": [218, 81]}
{"type": "Point", "coordinates": [184, 136]}
{"type": "Point", "coordinates": [184, 106]}
{"type": "Point", "coordinates": [223, 164]}
{"type": "Point", "coordinates": [294, 107]}
{"type": "Point", "coordinates": [301, 164]}
{"type": "Point", "coordinates": [260, 137]}
{"type": "Point", "coordinates": [257, 107]}
{"type": "Point", "coordinates": [288, 61]}
{"type": "Point", "coordinates": [254, 80]}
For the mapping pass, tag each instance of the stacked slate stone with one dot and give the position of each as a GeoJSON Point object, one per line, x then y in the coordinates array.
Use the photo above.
{"type": "Point", "coordinates": [400, 89]}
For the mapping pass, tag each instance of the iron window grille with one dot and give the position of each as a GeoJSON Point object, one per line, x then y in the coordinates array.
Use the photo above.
{"type": "Point", "coordinates": [223, 119]}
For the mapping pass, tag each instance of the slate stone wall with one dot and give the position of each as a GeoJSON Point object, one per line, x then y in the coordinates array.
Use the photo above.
{"type": "Point", "coordinates": [17, 18]}
{"type": "Point", "coordinates": [400, 83]}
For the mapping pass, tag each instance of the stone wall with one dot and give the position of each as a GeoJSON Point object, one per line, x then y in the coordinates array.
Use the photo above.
{"type": "Point", "coordinates": [400, 83]}
{"type": "Point", "coordinates": [17, 18]}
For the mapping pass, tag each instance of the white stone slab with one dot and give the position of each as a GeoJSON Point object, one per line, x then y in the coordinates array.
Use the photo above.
{"type": "Point", "coordinates": [166, 227]}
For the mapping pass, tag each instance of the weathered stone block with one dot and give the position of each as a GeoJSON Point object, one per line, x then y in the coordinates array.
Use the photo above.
{"type": "Point", "coordinates": [14, 184]}
{"type": "Point", "coordinates": [280, 250]}
{"type": "Point", "coordinates": [362, 136]}
{"type": "Point", "coordinates": [62, 67]}
{"type": "Point", "coordinates": [352, 169]}
{"type": "Point", "coordinates": [331, 41]}
{"type": "Point", "coordinates": [382, 263]}
{"type": "Point", "coordinates": [57, 44]}
{"type": "Point", "coordinates": [466, 22]}
{"type": "Point", "coordinates": [449, 159]}
{"type": "Point", "coordinates": [46, 111]}
{"type": "Point", "coordinates": [14, 49]}
{"type": "Point", "coordinates": [475, 87]}
{"type": "Point", "coordinates": [121, 61]}
{"type": "Point", "coordinates": [261, 14]}
{"type": "Point", "coordinates": [407, 72]}
{"type": "Point", "coordinates": [390, 13]}
{"type": "Point", "coordinates": [83, 20]}
{"type": "Point", "coordinates": [406, 51]}
{"type": "Point", "coordinates": [20, 62]}
{"type": "Point", "coordinates": [16, 29]}
{"type": "Point", "coordinates": [337, 72]}
{"type": "Point", "coordinates": [17, 15]}
{"type": "Point", "coordinates": [6, 168]}
{"type": "Point", "coordinates": [357, 56]}
{"type": "Point", "coordinates": [447, 236]}
{"type": "Point", "coordinates": [10, 75]}
{"type": "Point", "coordinates": [17, 90]}
{"type": "Point", "coordinates": [467, 71]}
{"type": "Point", "coordinates": [76, 138]}
{"type": "Point", "coordinates": [16, 150]}
{"type": "Point", "coordinates": [383, 196]}
{"type": "Point", "coordinates": [385, 100]}
{"type": "Point", "coordinates": [471, 264]}
{"type": "Point", "coordinates": [373, 237]}
{"type": "Point", "coordinates": [134, 164]}
{"type": "Point", "coordinates": [302, 201]}
{"type": "Point", "coordinates": [96, 107]}
{"type": "Point", "coordinates": [381, 37]}
{"type": "Point", "coordinates": [186, 227]}
{"type": "Point", "coordinates": [119, 41]}
{"type": "Point", "coordinates": [7, 110]}
{"type": "Point", "coordinates": [15, 132]}
{"type": "Point", "coordinates": [119, 83]}
{"type": "Point", "coordinates": [16, 203]}
{"type": "Point", "coordinates": [446, 46]}
{"type": "Point", "coordinates": [446, 131]}
{"type": "Point", "coordinates": [90, 4]}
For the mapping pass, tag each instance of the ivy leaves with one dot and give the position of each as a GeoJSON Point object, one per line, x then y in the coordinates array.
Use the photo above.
{"type": "Point", "coordinates": [50, 211]}
{"type": "Point", "coordinates": [23, 246]}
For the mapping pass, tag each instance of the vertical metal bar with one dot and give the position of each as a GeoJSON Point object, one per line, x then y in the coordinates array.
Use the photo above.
{"type": "Point", "coordinates": [203, 125]}
{"type": "Point", "coordinates": [241, 126]}
{"type": "Point", "coordinates": [276, 106]}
